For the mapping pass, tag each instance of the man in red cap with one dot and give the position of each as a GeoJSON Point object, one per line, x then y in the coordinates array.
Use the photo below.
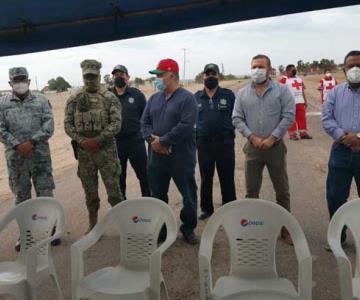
{"type": "Point", "coordinates": [168, 125]}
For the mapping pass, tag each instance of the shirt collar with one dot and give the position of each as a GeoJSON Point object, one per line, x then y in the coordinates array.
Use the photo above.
{"type": "Point", "coordinates": [351, 89]}
{"type": "Point", "coordinates": [270, 85]}
{"type": "Point", "coordinates": [126, 91]}
{"type": "Point", "coordinates": [205, 95]}
{"type": "Point", "coordinates": [30, 96]}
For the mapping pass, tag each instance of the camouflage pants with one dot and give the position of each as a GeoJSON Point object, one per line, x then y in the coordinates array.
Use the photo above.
{"type": "Point", "coordinates": [23, 170]}
{"type": "Point", "coordinates": [106, 161]}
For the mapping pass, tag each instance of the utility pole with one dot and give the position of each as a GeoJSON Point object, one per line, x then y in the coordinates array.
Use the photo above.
{"type": "Point", "coordinates": [36, 83]}
{"type": "Point", "coordinates": [184, 67]}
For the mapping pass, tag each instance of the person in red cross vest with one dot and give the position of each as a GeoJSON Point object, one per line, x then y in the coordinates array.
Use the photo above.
{"type": "Point", "coordinates": [327, 83]}
{"type": "Point", "coordinates": [296, 85]}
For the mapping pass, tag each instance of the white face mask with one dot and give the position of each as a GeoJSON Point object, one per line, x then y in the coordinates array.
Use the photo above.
{"type": "Point", "coordinates": [258, 75]}
{"type": "Point", "coordinates": [353, 75]}
{"type": "Point", "coordinates": [20, 87]}
{"type": "Point", "coordinates": [328, 74]}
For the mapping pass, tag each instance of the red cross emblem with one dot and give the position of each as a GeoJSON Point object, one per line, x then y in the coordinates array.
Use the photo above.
{"type": "Point", "coordinates": [297, 85]}
{"type": "Point", "coordinates": [330, 86]}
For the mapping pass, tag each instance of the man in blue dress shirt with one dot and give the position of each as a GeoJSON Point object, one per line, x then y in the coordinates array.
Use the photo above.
{"type": "Point", "coordinates": [341, 120]}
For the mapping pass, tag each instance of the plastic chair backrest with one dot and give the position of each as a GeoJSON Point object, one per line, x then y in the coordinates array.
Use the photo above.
{"type": "Point", "coordinates": [348, 215]}
{"type": "Point", "coordinates": [252, 227]}
{"type": "Point", "coordinates": [36, 219]}
{"type": "Point", "coordinates": [139, 222]}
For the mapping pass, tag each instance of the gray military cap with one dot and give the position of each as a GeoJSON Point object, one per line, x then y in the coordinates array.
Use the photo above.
{"type": "Point", "coordinates": [90, 66]}
{"type": "Point", "coordinates": [18, 71]}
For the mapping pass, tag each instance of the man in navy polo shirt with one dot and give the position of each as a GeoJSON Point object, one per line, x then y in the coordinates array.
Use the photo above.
{"type": "Point", "coordinates": [129, 141]}
{"type": "Point", "coordinates": [168, 126]}
{"type": "Point", "coordinates": [215, 139]}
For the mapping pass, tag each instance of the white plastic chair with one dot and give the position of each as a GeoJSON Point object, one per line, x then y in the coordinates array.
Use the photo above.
{"type": "Point", "coordinates": [36, 219]}
{"type": "Point", "coordinates": [347, 215]}
{"type": "Point", "coordinates": [252, 227]}
{"type": "Point", "coordinates": [138, 275]}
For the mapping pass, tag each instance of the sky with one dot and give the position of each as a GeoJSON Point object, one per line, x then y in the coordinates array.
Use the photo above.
{"type": "Point", "coordinates": [286, 39]}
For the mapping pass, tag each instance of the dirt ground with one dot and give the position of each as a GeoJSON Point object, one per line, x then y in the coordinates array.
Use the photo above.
{"type": "Point", "coordinates": [307, 167]}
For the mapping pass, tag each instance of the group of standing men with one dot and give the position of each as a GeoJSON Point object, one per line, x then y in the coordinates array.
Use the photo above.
{"type": "Point", "coordinates": [108, 128]}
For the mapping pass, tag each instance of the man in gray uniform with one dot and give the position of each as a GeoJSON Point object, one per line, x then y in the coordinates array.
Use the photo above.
{"type": "Point", "coordinates": [26, 124]}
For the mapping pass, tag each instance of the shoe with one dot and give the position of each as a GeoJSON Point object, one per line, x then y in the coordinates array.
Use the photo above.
{"type": "Point", "coordinates": [17, 245]}
{"type": "Point", "coordinates": [204, 215]}
{"type": "Point", "coordinates": [306, 136]}
{"type": "Point", "coordinates": [93, 218]}
{"type": "Point", "coordinates": [285, 236]}
{"type": "Point", "coordinates": [191, 238]}
{"type": "Point", "coordinates": [293, 138]}
{"type": "Point", "coordinates": [162, 235]}
{"type": "Point", "coordinates": [55, 242]}
{"type": "Point", "coordinates": [328, 248]}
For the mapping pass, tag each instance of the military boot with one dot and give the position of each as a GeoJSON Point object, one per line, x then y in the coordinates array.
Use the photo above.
{"type": "Point", "coordinates": [93, 218]}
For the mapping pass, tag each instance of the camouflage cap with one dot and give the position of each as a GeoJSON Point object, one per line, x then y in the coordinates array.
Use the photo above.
{"type": "Point", "coordinates": [90, 66]}
{"type": "Point", "coordinates": [18, 71]}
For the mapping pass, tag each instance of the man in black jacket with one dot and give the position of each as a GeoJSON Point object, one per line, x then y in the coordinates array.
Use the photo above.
{"type": "Point", "coordinates": [129, 141]}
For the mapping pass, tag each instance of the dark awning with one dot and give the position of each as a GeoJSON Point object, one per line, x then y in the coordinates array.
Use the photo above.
{"type": "Point", "coordinates": [38, 25]}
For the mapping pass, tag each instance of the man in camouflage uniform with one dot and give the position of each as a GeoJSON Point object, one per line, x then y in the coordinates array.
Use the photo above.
{"type": "Point", "coordinates": [92, 119]}
{"type": "Point", "coordinates": [26, 124]}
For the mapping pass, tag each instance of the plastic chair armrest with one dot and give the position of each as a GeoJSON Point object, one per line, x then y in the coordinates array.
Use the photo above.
{"type": "Point", "coordinates": [77, 260]}
{"type": "Point", "coordinates": [345, 269]}
{"type": "Point", "coordinates": [8, 218]}
{"type": "Point", "coordinates": [170, 239]}
{"type": "Point", "coordinates": [305, 284]}
{"type": "Point", "coordinates": [88, 240]}
{"type": "Point", "coordinates": [155, 261]}
{"type": "Point", "coordinates": [155, 271]}
{"type": "Point", "coordinates": [205, 275]}
{"type": "Point", "coordinates": [304, 259]}
{"type": "Point", "coordinates": [31, 255]}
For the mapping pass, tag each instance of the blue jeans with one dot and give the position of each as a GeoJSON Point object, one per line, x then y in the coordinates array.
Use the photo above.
{"type": "Point", "coordinates": [344, 165]}
{"type": "Point", "coordinates": [161, 169]}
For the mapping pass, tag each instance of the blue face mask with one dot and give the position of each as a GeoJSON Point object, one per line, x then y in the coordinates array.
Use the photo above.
{"type": "Point", "coordinates": [159, 84]}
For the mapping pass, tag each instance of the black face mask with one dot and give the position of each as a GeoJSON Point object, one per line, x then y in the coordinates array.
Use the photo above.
{"type": "Point", "coordinates": [120, 82]}
{"type": "Point", "coordinates": [211, 83]}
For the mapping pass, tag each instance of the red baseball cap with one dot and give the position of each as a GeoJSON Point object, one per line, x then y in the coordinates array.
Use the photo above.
{"type": "Point", "coordinates": [166, 65]}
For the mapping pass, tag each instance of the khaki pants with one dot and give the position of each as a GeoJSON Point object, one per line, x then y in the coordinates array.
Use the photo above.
{"type": "Point", "coordinates": [275, 161]}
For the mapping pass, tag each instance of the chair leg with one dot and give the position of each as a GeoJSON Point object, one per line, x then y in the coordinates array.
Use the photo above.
{"type": "Point", "coordinates": [163, 291]}
{"type": "Point", "coordinates": [59, 293]}
{"type": "Point", "coordinates": [19, 293]}
{"type": "Point", "coordinates": [32, 292]}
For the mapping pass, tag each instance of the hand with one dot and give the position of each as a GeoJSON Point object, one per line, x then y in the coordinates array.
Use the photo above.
{"type": "Point", "coordinates": [256, 141]}
{"type": "Point", "coordinates": [157, 147]}
{"type": "Point", "coordinates": [306, 105]}
{"type": "Point", "coordinates": [350, 140]}
{"type": "Point", "coordinates": [355, 149]}
{"type": "Point", "coordinates": [90, 145]}
{"type": "Point", "coordinates": [268, 142]}
{"type": "Point", "coordinates": [25, 149]}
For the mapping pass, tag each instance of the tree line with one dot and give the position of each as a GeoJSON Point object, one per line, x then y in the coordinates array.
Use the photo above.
{"type": "Point", "coordinates": [314, 67]}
